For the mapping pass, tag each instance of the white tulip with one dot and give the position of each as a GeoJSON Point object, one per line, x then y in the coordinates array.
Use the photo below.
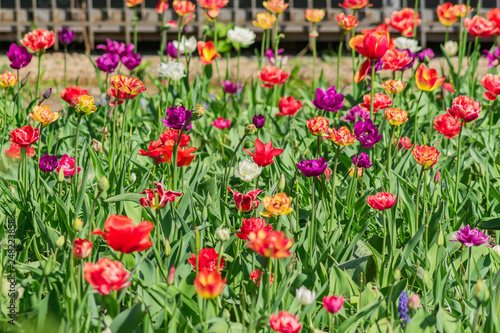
{"type": "Point", "coordinates": [451, 48]}
{"type": "Point", "coordinates": [247, 170]}
{"type": "Point", "coordinates": [403, 43]}
{"type": "Point", "coordinates": [242, 36]}
{"type": "Point", "coordinates": [496, 248]}
{"type": "Point", "coordinates": [187, 45]}
{"type": "Point", "coordinates": [172, 70]}
{"type": "Point", "coordinates": [222, 234]}
{"type": "Point", "coordinates": [305, 296]}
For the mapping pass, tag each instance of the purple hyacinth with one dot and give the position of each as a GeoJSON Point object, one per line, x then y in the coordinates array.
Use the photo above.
{"type": "Point", "coordinates": [131, 61]}
{"type": "Point", "coordinates": [470, 238]}
{"type": "Point", "coordinates": [178, 118]}
{"type": "Point", "coordinates": [367, 133]}
{"type": "Point", "coordinates": [172, 51]}
{"type": "Point", "coordinates": [48, 163]}
{"type": "Point", "coordinates": [425, 53]}
{"type": "Point", "coordinates": [493, 58]}
{"type": "Point", "coordinates": [108, 62]}
{"type": "Point", "coordinates": [66, 36]}
{"type": "Point", "coordinates": [403, 308]}
{"type": "Point", "coordinates": [363, 161]}
{"type": "Point", "coordinates": [117, 48]}
{"type": "Point", "coordinates": [19, 56]}
{"type": "Point", "coordinates": [354, 112]}
{"type": "Point", "coordinates": [231, 88]}
{"type": "Point", "coordinates": [328, 100]}
{"type": "Point", "coordinates": [259, 120]}
{"type": "Point", "coordinates": [312, 168]}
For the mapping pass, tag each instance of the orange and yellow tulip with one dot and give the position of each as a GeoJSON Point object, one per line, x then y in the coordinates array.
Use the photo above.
{"type": "Point", "coordinates": [427, 79]}
{"type": "Point", "coordinates": [207, 52]}
{"type": "Point", "coordinates": [279, 204]}
{"type": "Point", "coordinates": [314, 15]}
{"type": "Point", "coordinates": [44, 115]}
{"type": "Point", "coordinates": [209, 284]}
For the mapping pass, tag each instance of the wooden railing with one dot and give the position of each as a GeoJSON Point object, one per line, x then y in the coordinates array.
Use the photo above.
{"type": "Point", "coordinates": [95, 20]}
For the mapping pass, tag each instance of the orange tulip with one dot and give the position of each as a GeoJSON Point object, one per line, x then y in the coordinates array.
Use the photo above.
{"type": "Point", "coordinates": [39, 40]}
{"type": "Point", "coordinates": [207, 52]}
{"type": "Point", "coordinates": [212, 7]}
{"type": "Point", "coordinates": [275, 6]}
{"type": "Point", "coordinates": [372, 46]}
{"type": "Point", "coordinates": [264, 20]}
{"type": "Point", "coordinates": [133, 3]}
{"type": "Point", "coordinates": [426, 156]}
{"type": "Point", "coordinates": [279, 204]}
{"type": "Point", "coordinates": [8, 79]}
{"type": "Point", "coordinates": [129, 85]}
{"type": "Point", "coordinates": [461, 10]}
{"type": "Point", "coordinates": [446, 13]}
{"type": "Point", "coordinates": [380, 102]}
{"type": "Point", "coordinates": [491, 83]}
{"type": "Point", "coordinates": [427, 79]}
{"type": "Point", "coordinates": [396, 116]}
{"type": "Point", "coordinates": [315, 15]}
{"type": "Point", "coordinates": [183, 7]}
{"type": "Point", "coordinates": [341, 137]}
{"type": "Point", "coordinates": [478, 26]}
{"type": "Point", "coordinates": [347, 23]}
{"type": "Point", "coordinates": [396, 60]}
{"type": "Point", "coordinates": [355, 4]}
{"type": "Point", "coordinates": [494, 16]}
{"type": "Point", "coordinates": [44, 115]}
{"type": "Point", "coordinates": [270, 244]}
{"type": "Point", "coordinates": [393, 86]}
{"type": "Point", "coordinates": [209, 284]}
{"type": "Point", "coordinates": [404, 21]}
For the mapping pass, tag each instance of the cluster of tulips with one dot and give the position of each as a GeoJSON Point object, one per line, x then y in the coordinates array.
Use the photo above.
{"type": "Point", "coordinates": [93, 168]}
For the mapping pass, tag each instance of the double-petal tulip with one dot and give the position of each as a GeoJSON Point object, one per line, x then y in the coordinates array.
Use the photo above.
{"type": "Point", "coordinates": [404, 143]}
{"type": "Point", "coordinates": [24, 136]}
{"type": "Point", "coordinates": [275, 6]}
{"type": "Point", "coordinates": [464, 108]}
{"type": "Point", "coordinates": [381, 201]}
{"type": "Point", "coordinates": [161, 6]}
{"type": "Point", "coordinates": [209, 284]}
{"type": "Point", "coordinates": [252, 224]}
{"type": "Point", "coordinates": [491, 83]}
{"type": "Point", "coordinates": [446, 13]}
{"type": "Point", "coordinates": [44, 115]}
{"type": "Point", "coordinates": [264, 154]}
{"type": "Point", "coordinates": [393, 86]}
{"type": "Point", "coordinates": [372, 45]}
{"type": "Point", "coordinates": [207, 52]}
{"type": "Point", "coordinates": [67, 164]}
{"type": "Point", "coordinates": [124, 236]}
{"type": "Point", "coordinates": [317, 126]}
{"type": "Point", "coordinates": [427, 79]}
{"type": "Point", "coordinates": [272, 76]}
{"type": "Point", "coordinates": [396, 116]}
{"type": "Point", "coordinates": [221, 123]}
{"type": "Point", "coordinates": [341, 137]}
{"type": "Point", "coordinates": [355, 4]}
{"type": "Point", "coordinates": [82, 248]}
{"type": "Point", "coordinates": [312, 168]}
{"type": "Point", "coordinates": [333, 304]}
{"type": "Point", "coordinates": [207, 260]}
{"type": "Point", "coordinates": [288, 106]}
{"type": "Point", "coordinates": [494, 16]}
{"type": "Point", "coordinates": [14, 151]}
{"type": "Point", "coordinates": [284, 322]}
{"type": "Point", "coordinates": [270, 244]}
{"type": "Point", "coordinates": [314, 15]}
{"type": "Point", "coordinates": [39, 40]}
{"type": "Point", "coordinates": [447, 125]}
{"type": "Point", "coordinates": [85, 106]}
{"type": "Point", "coordinates": [328, 100]}
{"type": "Point", "coordinates": [396, 60]}
{"type": "Point", "coordinates": [462, 10]}
{"type": "Point", "coordinates": [380, 102]}
{"type": "Point", "coordinates": [347, 22]}
{"type": "Point", "coordinates": [183, 7]}
{"type": "Point", "coordinates": [129, 85]}
{"type": "Point", "coordinates": [426, 156]}
{"type": "Point", "coordinates": [478, 26]}
{"type": "Point", "coordinates": [404, 21]}
{"type": "Point", "coordinates": [212, 7]}
{"type": "Point", "coordinates": [71, 95]}
{"type": "Point", "coordinates": [158, 198]}
{"type": "Point", "coordinates": [7, 80]}
{"type": "Point", "coordinates": [264, 20]}
{"type": "Point", "coordinates": [245, 202]}
{"type": "Point", "coordinates": [279, 204]}
{"type": "Point", "coordinates": [106, 276]}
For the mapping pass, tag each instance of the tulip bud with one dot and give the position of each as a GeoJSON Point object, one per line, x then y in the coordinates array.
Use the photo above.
{"type": "Point", "coordinates": [197, 239]}
{"type": "Point", "coordinates": [60, 175]}
{"type": "Point", "coordinates": [78, 225]}
{"type": "Point", "coordinates": [222, 234]}
{"type": "Point", "coordinates": [437, 177]}
{"type": "Point", "coordinates": [168, 248]}
{"type": "Point", "coordinates": [198, 112]}
{"type": "Point", "coordinates": [250, 129]}
{"type": "Point", "coordinates": [440, 240]}
{"type": "Point", "coordinates": [282, 183]}
{"type": "Point", "coordinates": [414, 302]}
{"type": "Point", "coordinates": [481, 292]}
{"type": "Point", "coordinates": [103, 184]}
{"type": "Point", "coordinates": [60, 241]}
{"type": "Point", "coordinates": [397, 275]}
{"type": "Point", "coordinates": [171, 276]}
{"type": "Point", "coordinates": [25, 80]}
{"type": "Point", "coordinates": [47, 269]}
{"type": "Point", "coordinates": [47, 93]}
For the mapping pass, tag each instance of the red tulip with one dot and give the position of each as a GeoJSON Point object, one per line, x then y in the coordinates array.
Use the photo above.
{"type": "Point", "coordinates": [14, 151]}
{"type": "Point", "coordinates": [107, 275]}
{"type": "Point", "coordinates": [404, 21]}
{"type": "Point", "coordinates": [288, 106]}
{"type": "Point", "coordinates": [264, 154]}
{"type": "Point", "coordinates": [272, 76]}
{"type": "Point", "coordinates": [491, 83]}
{"type": "Point", "coordinates": [380, 102]}
{"type": "Point", "coordinates": [158, 198]}
{"type": "Point", "coordinates": [447, 125]}
{"type": "Point", "coordinates": [71, 95]}
{"type": "Point", "coordinates": [446, 13]}
{"type": "Point", "coordinates": [478, 26]}
{"type": "Point", "coordinates": [245, 202]}
{"type": "Point", "coordinates": [284, 322]}
{"type": "Point", "coordinates": [270, 244]}
{"type": "Point", "coordinates": [82, 248]}
{"type": "Point", "coordinates": [494, 16]}
{"type": "Point", "coordinates": [207, 260]}
{"type": "Point", "coordinates": [396, 60]}
{"type": "Point", "coordinates": [372, 46]}
{"type": "Point", "coordinates": [24, 136]}
{"type": "Point", "coordinates": [404, 143]}
{"type": "Point", "coordinates": [207, 52]}
{"type": "Point", "coordinates": [465, 108]}
{"type": "Point", "coordinates": [252, 224]}
{"type": "Point", "coordinates": [333, 304]}
{"type": "Point", "coordinates": [381, 201]}
{"type": "Point", "coordinates": [209, 284]}
{"type": "Point", "coordinates": [123, 236]}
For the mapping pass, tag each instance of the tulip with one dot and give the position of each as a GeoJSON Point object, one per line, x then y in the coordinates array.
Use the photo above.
{"type": "Point", "coordinates": [183, 7]}
{"type": "Point", "coordinates": [288, 106]}
{"type": "Point", "coordinates": [380, 102]}
{"type": "Point", "coordinates": [494, 16]}
{"type": "Point", "coordinates": [14, 151]}
{"type": "Point", "coordinates": [395, 116]}
{"type": "Point", "coordinates": [82, 248]}
{"type": "Point", "coordinates": [426, 156]}
{"type": "Point", "coordinates": [342, 137]}
{"type": "Point", "coordinates": [270, 244]}
{"type": "Point", "coordinates": [354, 113]}
{"type": "Point", "coordinates": [478, 26]}
{"type": "Point", "coordinates": [451, 48]}
{"type": "Point", "coordinates": [279, 204]}
{"type": "Point", "coordinates": [471, 237]}
{"type": "Point", "coordinates": [8, 80]}
{"type": "Point", "coordinates": [404, 143]}
{"type": "Point", "coordinates": [347, 23]}
{"type": "Point", "coordinates": [71, 95]}
{"type": "Point", "coordinates": [178, 117]}
{"type": "Point", "coordinates": [48, 163]}
{"type": "Point", "coordinates": [18, 56]}
{"type": "Point", "coordinates": [85, 105]}
{"type": "Point", "coordinates": [404, 21]}
{"type": "Point", "coordinates": [221, 123]}
{"type": "Point", "coordinates": [312, 168]}
{"type": "Point", "coordinates": [207, 52]}
{"type": "Point", "coordinates": [39, 40]}
{"type": "Point", "coordinates": [328, 100]}
{"type": "Point", "coordinates": [403, 43]}
{"type": "Point", "coordinates": [372, 45]}
{"type": "Point", "coordinates": [24, 136]}
{"type": "Point", "coordinates": [158, 198]}
{"type": "Point", "coordinates": [333, 304]}
{"type": "Point", "coordinates": [447, 125]}
{"type": "Point", "coordinates": [241, 36]}
{"type": "Point", "coordinates": [264, 20]}
{"type": "Point", "coordinates": [247, 170]}
{"type": "Point", "coordinates": [252, 224]}
{"type": "Point", "coordinates": [245, 202]}
{"type": "Point", "coordinates": [66, 36]}
{"type": "Point", "coordinates": [209, 284]}
{"type": "Point", "coordinates": [393, 86]}
{"type": "Point", "coordinates": [314, 15]}
{"type": "Point", "coordinates": [133, 3]}
{"type": "Point", "coordinates": [275, 6]}
{"type": "Point", "coordinates": [491, 83]}
{"type": "Point", "coordinates": [124, 236]}
{"type": "Point", "coordinates": [172, 70]}
{"type": "Point", "coordinates": [396, 60]}
{"type": "Point", "coordinates": [106, 276]}
{"type": "Point", "coordinates": [317, 126]}
{"type": "Point", "coordinates": [231, 88]}
{"type": "Point", "coordinates": [207, 260]}
{"type": "Point", "coordinates": [381, 201]}
{"type": "Point", "coordinates": [284, 322]}
{"type": "Point", "coordinates": [264, 154]}
{"type": "Point", "coordinates": [464, 108]}
{"type": "Point", "coordinates": [259, 120]}
{"type": "Point", "coordinates": [305, 296]}
{"type": "Point", "coordinates": [367, 133]}
{"type": "Point", "coordinates": [131, 61]}
{"type": "Point", "coordinates": [171, 276]}
{"type": "Point", "coordinates": [363, 161]}
{"type": "Point", "coordinates": [222, 234]}
{"type": "Point", "coordinates": [272, 76]}
{"type": "Point", "coordinates": [446, 13]}
{"type": "Point", "coordinates": [355, 4]}
{"type": "Point", "coordinates": [127, 84]}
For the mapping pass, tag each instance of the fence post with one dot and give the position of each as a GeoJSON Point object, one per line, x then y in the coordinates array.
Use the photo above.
{"type": "Point", "coordinates": [53, 5]}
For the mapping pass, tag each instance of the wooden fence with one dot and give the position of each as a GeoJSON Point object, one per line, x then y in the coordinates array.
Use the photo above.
{"type": "Point", "coordinates": [96, 20]}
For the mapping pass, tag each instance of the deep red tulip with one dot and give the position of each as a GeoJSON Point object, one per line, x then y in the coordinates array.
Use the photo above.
{"type": "Point", "coordinates": [245, 202]}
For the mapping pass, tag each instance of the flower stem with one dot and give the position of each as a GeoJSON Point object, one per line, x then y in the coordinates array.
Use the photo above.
{"type": "Point", "coordinates": [313, 42]}
{"type": "Point", "coordinates": [418, 200]}
{"type": "Point", "coordinates": [334, 174]}
{"type": "Point", "coordinates": [372, 90]}
{"type": "Point", "coordinates": [389, 153]}
{"type": "Point", "coordinates": [415, 20]}
{"type": "Point", "coordinates": [65, 56]}
{"type": "Point", "coordinates": [415, 128]}
{"type": "Point", "coordinates": [163, 37]}
{"type": "Point", "coordinates": [76, 154]}
{"type": "Point", "coordinates": [457, 180]}
{"type": "Point", "coordinates": [40, 53]}
{"type": "Point", "coordinates": [339, 58]}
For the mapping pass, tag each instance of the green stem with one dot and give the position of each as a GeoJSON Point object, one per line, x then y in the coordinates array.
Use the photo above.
{"type": "Point", "coordinates": [339, 59]}
{"type": "Point", "coordinates": [418, 200]}
{"type": "Point", "coordinates": [389, 153]}
{"type": "Point", "coordinates": [334, 197]}
{"type": "Point", "coordinates": [262, 47]}
{"type": "Point", "coordinates": [415, 20]}
{"type": "Point", "coordinates": [457, 180]}
{"type": "Point", "coordinates": [40, 53]}
{"type": "Point", "coordinates": [372, 90]}
{"type": "Point", "coordinates": [215, 44]}
{"type": "Point", "coordinates": [238, 64]}
{"type": "Point", "coordinates": [313, 41]}
{"type": "Point", "coordinates": [76, 154]}
{"type": "Point", "coordinates": [415, 128]}
{"type": "Point", "coordinates": [65, 56]}
{"type": "Point", "coordinates": [163, 37]}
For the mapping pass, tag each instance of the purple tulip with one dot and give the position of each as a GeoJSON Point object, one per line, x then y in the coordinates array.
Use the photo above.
{"type": "Point", "coordinates": [131, 61]}
{"type": "Point", "coordinates": [470, 238]}
{"type": "Point", "coordinates": [363, 161]}
{"type": "Point", "coordinates": [108, 62]}
{"type": "Point", "coordinates": [356, 111]}
{"type": "Point", "coordinates": [115, 47]}
{"type": "Point", "coordinates": [493, 58]}
{"type": "Point", "coordinates": [269, 54]}
{"type": "Point", "coordinates": [231, 88]}
{"type": "Point", "coordinates": [367, 133]}
{"type": "Point", "coordinates": [328, 100]}
{"type": "Point", "coordinates": [312, 168]}
{"type": "Point", "coordinates": [178, 118]}
{"type": "Point", "coordinates": [259, 120]}
{"type": "Point", "coordinates": [48, 163]}
{"type": "Point", "coordinates": [66, 36]}
{"type": "Point", "coordinates": [427, 53]}
{"type": "Point", "coordinates": [172, 51]}
{"type": "Point", "coordinates": [19, 56]}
